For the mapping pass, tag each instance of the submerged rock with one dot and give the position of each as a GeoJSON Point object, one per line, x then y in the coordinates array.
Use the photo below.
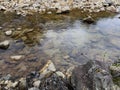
{"type": "Point", "coordinates": [94, 75]}
{"type": "Point", "coordinates": [88, 20]}
{"type": "Point", "coordinates": [8, 33]}
{"type": "Point", "coordinates": [16, 57]}
{"type": "Point", "coordinates": [115, 71]}
{"type": "Point", "coordinates": [5, 44]}
{"type": "Point", "coordinates": [47, 70]}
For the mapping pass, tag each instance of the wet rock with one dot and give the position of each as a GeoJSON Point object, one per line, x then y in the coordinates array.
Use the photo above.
{"type": "Point", "coordinates": [2, 8]}
{"type": "Point", "coordinates": [16, 57]}
{"type": "Point", "coordinates": [94, 75]}
{"type": "Point", "coordinates": [55, 83]}
{"type": "Point", "coordinates": [37, 83]}
{"type": "Point", "coordinates": [22, 84]}
{"type": "Point", "coordinates": [115, 71]}
{"type": "Point", "coordinates": [118, 9]}
{"type": "Point", "coordinates": [8, 33]}
{"type": "Point", "coordinates": [15, 84]}
{"type": "Point", "coordinates": [66, 57]}
{"type": "Point", "coordinates": [8, 77]}
{"type": "Point", "coordinates": [47, 70]}
{"type": "Point", "coordinates": [88, 20]}
{"type": "Point", "coordinates": [111, 8]}
{"type": "Point", "coordinates": [1, 28]}
{"type": "Point", "coordinates": [5, 44]}
{"type": "Point", "coordinates": [49, 12]}
{"type": "Point", "coordinates": [33, 88]}
{"type": "Point", "coordinates": [9, 85]}
{"type": "Point", "coordinates": [60, 74]}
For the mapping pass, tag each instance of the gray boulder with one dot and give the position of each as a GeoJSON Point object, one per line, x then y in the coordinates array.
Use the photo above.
{"type": "Point", "coordinates": [93, 75]}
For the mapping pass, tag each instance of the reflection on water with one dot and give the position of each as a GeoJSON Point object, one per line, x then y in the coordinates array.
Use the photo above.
{"type": "Point", "coordinates": [99, 41]}
{"type": "Point", "coordinates": [78, 42]}
{"type": "Point", "coordinates": [66, 39]}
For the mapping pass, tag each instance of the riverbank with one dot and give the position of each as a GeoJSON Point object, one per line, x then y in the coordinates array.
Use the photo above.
{"type": "Point", "coordinates": [25, 7]}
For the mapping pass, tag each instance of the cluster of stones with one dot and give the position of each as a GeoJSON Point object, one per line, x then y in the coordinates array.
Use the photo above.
{"type": "Point", "coordinates": [29, 6]}
{"type": "Point", "coordinates": [48, 78]}
{"type": "Point", "coordinates": [94, 75]}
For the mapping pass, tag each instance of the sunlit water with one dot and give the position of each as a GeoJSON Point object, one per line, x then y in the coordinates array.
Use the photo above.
{"type": "Point", "coordinates": [75, 44]}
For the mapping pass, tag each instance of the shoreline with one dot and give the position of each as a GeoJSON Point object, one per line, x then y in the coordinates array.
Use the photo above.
{"type": "Point", "coordinates": [26, 7]}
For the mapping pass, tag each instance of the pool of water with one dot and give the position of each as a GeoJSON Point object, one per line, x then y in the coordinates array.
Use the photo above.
{"type": "Point", "coordinates": [70, 45]}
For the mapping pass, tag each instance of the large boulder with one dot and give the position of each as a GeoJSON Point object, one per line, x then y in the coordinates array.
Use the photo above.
{"type": "Point", "coordinates": [93, 75]}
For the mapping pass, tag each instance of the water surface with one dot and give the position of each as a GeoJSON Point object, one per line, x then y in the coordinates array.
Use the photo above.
{"type": "Point", "coordinates": [72, 44]}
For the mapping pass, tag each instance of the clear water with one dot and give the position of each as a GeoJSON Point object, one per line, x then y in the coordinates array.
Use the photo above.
{"type": "Point", "coordinates": [73, 45]}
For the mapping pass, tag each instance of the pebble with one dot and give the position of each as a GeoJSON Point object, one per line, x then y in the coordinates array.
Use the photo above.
{"type": "Point", "coordinates": [0, 28]}
{"type": "Point", "coordinates": [14, 84]}
{"type": "Point", "coordinates": [16, 57]}
{"type": "Point", "coordinates": [60, 74]}
{"type": "Point", "coordinates": [66, 57]}
{"type": "Point", "coordinates": [8, 33]}
{"type": "Point", "coordinates": [5, 44]}
{"type": "Point", "coordinates": [37, 83]}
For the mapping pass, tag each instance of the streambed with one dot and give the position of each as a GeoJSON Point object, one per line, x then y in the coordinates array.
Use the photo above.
{"type": "Point", "coordinates": [66, 42]}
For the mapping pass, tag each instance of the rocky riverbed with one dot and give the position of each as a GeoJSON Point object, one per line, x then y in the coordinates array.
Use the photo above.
{"type": "Point", "coordinates": [41, 52]}
{"type": "Point", "coordinates": [25, 7]}
{"type": "Point", "coordinates": [59, 45]}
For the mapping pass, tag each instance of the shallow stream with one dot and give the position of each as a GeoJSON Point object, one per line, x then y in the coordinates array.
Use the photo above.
{"type": "Point", "coordinates": [66, 44]}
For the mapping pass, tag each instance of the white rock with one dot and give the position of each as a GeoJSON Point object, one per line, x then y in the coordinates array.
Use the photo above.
{"type": "Point", "coordinates": [5, 44]}
{"type": "Point", "coordinates": [0, 27]}
{"type": "Point", "coordinates": [49, 12]}
{"type": "Point", "coordinates": [14, 84]}
{"type": "Point", "coordinates": [66, 57]}
{"type": "Point", "coordinates": [8, 33]}
{"type": "Point", "coordinates": [37, 83]}
{"type": "Point", "coordinates": [16, 57]}
{"type": "Point", "coordinates": [60, 74]}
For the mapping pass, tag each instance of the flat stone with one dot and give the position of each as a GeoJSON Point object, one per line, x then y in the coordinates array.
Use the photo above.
{"type": "Point", "coordinates": [16, 57]}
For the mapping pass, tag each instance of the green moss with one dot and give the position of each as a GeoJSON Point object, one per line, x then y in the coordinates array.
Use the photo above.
{"type": "Point", "coordinates": [116, 80]}
{"type": "Point", "coordinates": [116, 64]}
